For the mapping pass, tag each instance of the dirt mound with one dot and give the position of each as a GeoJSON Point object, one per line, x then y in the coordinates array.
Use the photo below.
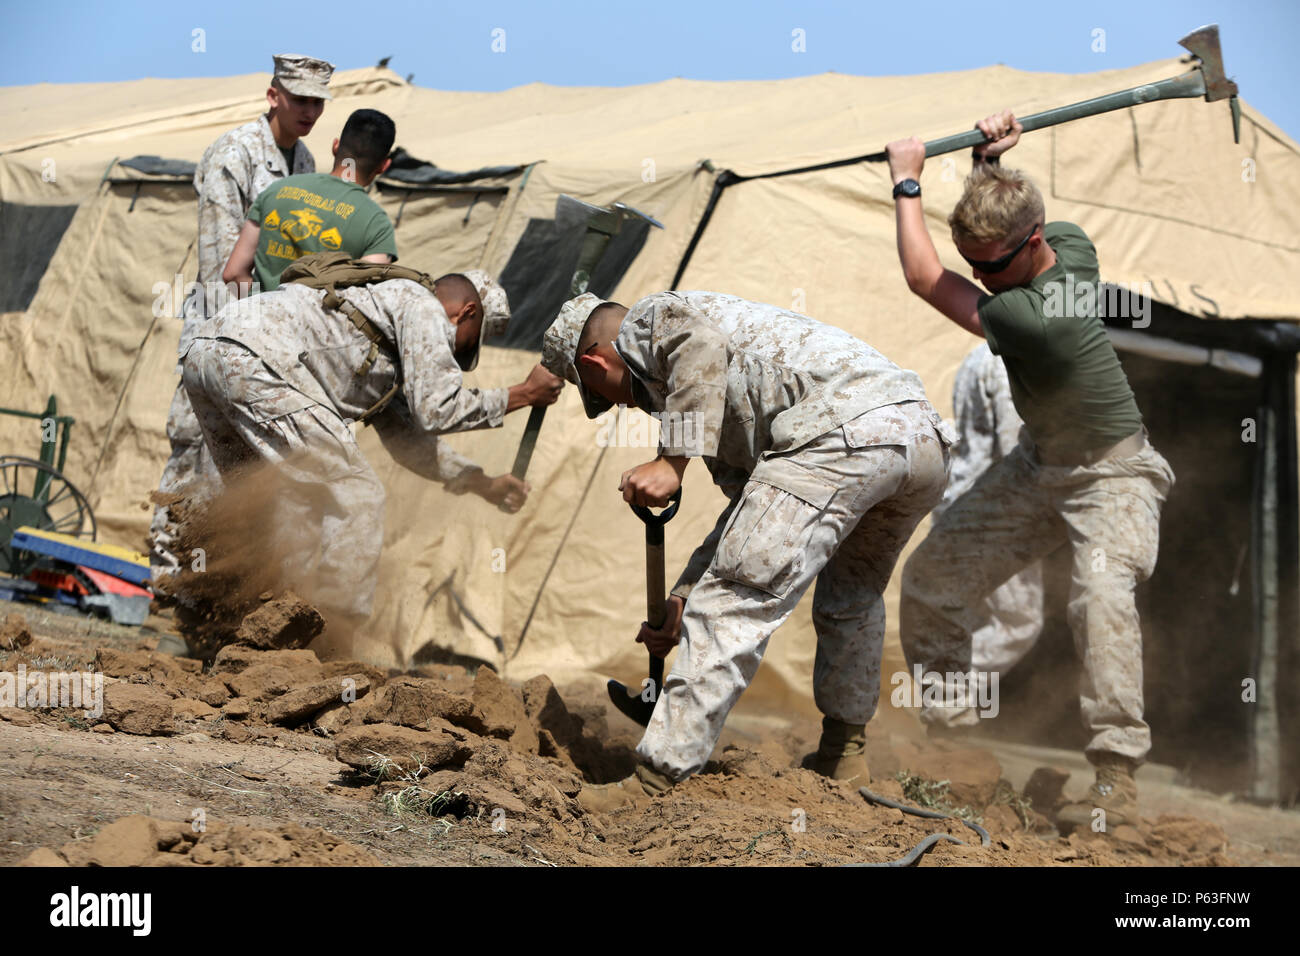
{"type": "Point", "coordinates": [148, 841]}
{"type": "Point", "coordinates": [450, 751]}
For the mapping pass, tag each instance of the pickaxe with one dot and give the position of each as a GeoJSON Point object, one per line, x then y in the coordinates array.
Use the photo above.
{"type": "Point", "coordinates": [1206, 79]}
{"type": "Point", "coordinates": [602, 226]}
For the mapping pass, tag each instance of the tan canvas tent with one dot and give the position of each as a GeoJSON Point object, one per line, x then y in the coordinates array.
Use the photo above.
{"type": "Point", "coordinates": [93, 248]}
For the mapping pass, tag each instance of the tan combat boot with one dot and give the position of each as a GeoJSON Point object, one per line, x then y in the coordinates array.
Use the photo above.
{"type": "Point", "coordinates": [841, 752]}
{"type": "Point", "coordinates": [644, 783]}
{"type": "Point", "coordinates": [1114, 791]}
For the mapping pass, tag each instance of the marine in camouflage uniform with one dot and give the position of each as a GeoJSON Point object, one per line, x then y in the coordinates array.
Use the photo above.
{"type": "Point", "coordinates": [279, 379]}
{"type": "Point", "coordinates": [231, 174]}
{"type": "Point", "coordinates": [830, 455]}
{"type": "Point", "coordinates": [988, 429]}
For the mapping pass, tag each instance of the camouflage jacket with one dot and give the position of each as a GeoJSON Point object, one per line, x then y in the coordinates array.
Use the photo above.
{"type": "Point", "coordinates": [737, 381]}
{"type": "Point", "coordinates": [319, 352]}
{"type": "Point", "coordinates": [233, 170]}
{"type": "Point", "coordinates": [988, 425]}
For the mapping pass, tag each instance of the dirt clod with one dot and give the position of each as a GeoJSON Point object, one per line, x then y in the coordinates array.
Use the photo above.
{"type": "Point", "coordinates": [284, 623]}
{"type": "Point", "coordinates": [297, 705]}
{"type": "Point", "coordinates": [387, 749]}
{"type": "Point", "coordinates": [503, 711]}
{"type": "Point", "coordinates": [14, 633]}
{"type": "Point", "coordinates": [412, 701]}
{"type": "Point", "coordinates": [138, 709]}
{"type": "Point", "coordinates": [147, 841]}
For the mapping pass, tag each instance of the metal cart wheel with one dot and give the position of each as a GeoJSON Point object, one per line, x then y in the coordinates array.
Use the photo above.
{"type": "Point", "coordinates": [37, 495]}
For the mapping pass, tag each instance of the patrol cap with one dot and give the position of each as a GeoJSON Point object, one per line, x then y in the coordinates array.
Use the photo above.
{"type": "Point", "coordinates": [469, 362]}
{"type": "Point", "coordinates": [304, 75]}
{"type": "Point", "coordinates": [496, 305]}
{"type": "Point", "coordinates": [560, 345]}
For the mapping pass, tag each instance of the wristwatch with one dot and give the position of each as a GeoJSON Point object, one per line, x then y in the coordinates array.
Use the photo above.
{"type": "Point", "coordinates": [908, 187]}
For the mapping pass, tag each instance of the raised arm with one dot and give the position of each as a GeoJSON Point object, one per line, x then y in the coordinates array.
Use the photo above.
{"type": "Point", "coordinates": [953, 295]}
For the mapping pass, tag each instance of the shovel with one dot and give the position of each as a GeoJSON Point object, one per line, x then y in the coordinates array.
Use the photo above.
{"type": "Point", "coordinates": [639, 705]}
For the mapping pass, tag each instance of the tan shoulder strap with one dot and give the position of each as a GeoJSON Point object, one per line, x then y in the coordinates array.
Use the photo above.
{"type": "Point", "coordinates": [332, 271]}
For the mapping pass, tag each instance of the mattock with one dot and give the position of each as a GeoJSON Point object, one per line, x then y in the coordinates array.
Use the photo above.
{"type": "Point", "coordinates": [639, 705]}
{"type": "Point", "coordinates": [601, 226]}
{"type": "Point", "coordinates": [1206, 79]}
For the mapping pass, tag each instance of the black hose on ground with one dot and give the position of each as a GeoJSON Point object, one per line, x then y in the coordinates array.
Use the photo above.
{"type": "Point", "coordinates": [916, 852]}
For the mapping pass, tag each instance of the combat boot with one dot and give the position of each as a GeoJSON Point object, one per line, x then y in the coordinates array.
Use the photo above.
{"type": "Point", "coordinates": [841, 752]}
{"type": "Point", "coordinates": [635, 790]}
{"type": "Point", "coordinates": [1114, 791]}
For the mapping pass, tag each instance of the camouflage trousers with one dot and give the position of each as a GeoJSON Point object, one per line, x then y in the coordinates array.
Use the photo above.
{"type": "Point", "coordinates": [1016, 513]}
{"type": "Point", "coordinates": [836, 511]}
{"type": "Point", "coordinates": [1004, 629]}
{"type": "Point", "coordinates": [328, 508]}
{"type": "Point", "coordinates": [189, 469]}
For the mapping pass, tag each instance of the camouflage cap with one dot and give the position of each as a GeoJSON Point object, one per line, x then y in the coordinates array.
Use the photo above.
{"type": "Point", "coordinates": [560, 345]}
{"type": "Point", "coordinates": [496, 305]}
{"type": "Point", "coordinates": [304, 75]}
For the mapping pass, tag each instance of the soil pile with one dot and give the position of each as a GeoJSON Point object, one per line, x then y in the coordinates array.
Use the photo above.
{"type": "Point", "coordinates": [475, 758]}
{"type": "Point", "coordinates": [147, 841]}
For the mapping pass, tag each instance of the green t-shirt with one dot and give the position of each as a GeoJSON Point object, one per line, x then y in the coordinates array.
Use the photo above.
{"type": "Point", "coordinates": [315, 212]}
{"type": "Point", "coordinates": [1066, 380]}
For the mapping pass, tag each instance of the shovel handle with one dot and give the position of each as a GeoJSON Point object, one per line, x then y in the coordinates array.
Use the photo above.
{"type": "Point", "coordinates": [654, 565]}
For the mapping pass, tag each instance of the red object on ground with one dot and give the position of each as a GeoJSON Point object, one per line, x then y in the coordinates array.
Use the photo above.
{"type": "Point", "coordinates": [57, 581]}
{"type": "Point", "coordinates": [108, 584]}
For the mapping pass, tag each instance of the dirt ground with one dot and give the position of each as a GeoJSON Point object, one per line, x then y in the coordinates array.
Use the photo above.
{"type": "Point", "coordinates": [264, 757]}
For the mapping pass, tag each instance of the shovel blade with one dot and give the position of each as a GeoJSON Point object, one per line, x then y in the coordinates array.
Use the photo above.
{"type": "Point", "coordinates": [630, 704]}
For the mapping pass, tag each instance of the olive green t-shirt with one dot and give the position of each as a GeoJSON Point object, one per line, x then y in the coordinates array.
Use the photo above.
{"type": "Point", "coordinates": [1066, 380]}
{"type": "Point", "coordinates": [315, 212]}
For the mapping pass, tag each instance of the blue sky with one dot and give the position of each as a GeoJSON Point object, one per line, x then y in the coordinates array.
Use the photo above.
{"type": "Point", "coordinates": [615, 43]}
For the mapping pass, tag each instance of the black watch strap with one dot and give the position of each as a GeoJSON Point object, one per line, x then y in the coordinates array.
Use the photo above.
{"type": "Point", "coordinates": [907, 187]}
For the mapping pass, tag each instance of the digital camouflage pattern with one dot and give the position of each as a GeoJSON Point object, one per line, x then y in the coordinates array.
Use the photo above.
{"type": "Point", "coordinates": [231, 174]}
{"type": "Point", "coordinates": [304, 75]}
{"type": "Point", "coordinates": [837, 511]}
{"type": "Point", "coordinates": [233, 170]}
{"type": "Point", "coordinates": [755, 379]}
{"type": "Point", "coordinates": [319, 352]}
{"type": "Point", "coordinates": [560, 345]}
{"type": "Point", "coordinates": [831, 456]}
{"type": "Point", "coordinates": [328, 515]}
{"type": "Point", "coordinates": [1016, 513]}
{"type": "Point", "coordinates": [496, 304]}
{"type": "Point", "coordinates": [988, 429]}
{"type": "Point", "coordinates": [274, 378]}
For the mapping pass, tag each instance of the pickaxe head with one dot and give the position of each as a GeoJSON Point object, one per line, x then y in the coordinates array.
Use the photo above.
{"type": "Point", "coordinates": [1204, 45]}
{"type": "Point", "coordinates": [630, 212]}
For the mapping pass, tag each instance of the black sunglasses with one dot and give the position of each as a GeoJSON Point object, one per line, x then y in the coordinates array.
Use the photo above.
{"type": "Point", "coordinates": [997, 265]}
